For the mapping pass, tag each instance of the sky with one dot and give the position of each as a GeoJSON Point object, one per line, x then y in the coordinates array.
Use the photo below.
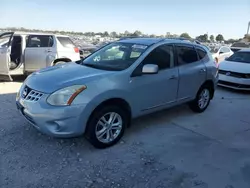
{"type": "Point", "coordinates": [196, 17]}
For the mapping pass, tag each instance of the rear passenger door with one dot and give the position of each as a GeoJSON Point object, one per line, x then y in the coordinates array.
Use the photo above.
{"type": "Point", "coordinates": [39, 52]}
{"type": "Point", "coordinates": [192, 71]}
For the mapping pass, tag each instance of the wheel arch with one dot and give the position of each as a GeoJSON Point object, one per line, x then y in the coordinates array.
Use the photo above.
{"type": "Point", "coordinates": [64, 59]}
{"type": "Point", "coordinates": [116, 102]}
{"type": "Point", "coordinates": [210, 84]}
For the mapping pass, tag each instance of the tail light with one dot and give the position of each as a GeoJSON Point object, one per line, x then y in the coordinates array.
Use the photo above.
{"type": "Point", "coordinates": [76, 50]}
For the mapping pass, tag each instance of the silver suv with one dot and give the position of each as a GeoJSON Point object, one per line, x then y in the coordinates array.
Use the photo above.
{"type": "Point", "coordinates": [23, 53]}
{"type": "Point", "coordinates": [99, 95]}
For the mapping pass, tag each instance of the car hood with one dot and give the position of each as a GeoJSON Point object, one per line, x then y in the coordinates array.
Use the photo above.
{"type": "Point", "coordinates": [235, 66]}
{"type": "Point", "coordinates": [50, 79]}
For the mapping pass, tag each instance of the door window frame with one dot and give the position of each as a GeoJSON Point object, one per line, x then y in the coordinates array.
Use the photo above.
{"type": "Point", "coordinates": [29, 39]}
{"type": "Point", "coordinates": [185, 45]}
{"type": "Point", "coordinates": [10, 39]}
{"type": "Point", "coordinates": [138, 70]}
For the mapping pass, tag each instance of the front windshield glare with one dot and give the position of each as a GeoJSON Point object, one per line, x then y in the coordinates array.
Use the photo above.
{"type": "Point", "coordinates": [115, 56]}
{"type": "Point", "coordinates": [243, 57]}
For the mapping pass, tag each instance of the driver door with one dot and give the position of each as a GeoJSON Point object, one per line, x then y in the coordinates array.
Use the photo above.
{"type": "Point", "coordinates": [5, 50]}
{"type": "Point", "coordinates": [152, 92]}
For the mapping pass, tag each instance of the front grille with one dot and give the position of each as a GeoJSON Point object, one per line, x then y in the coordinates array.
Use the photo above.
{"type": "Point", "coordinates": [240, 86]}
{"type": "Point", "coordinates": [31, 95]}
{"type": "Point", "coordinates": [234, 74]}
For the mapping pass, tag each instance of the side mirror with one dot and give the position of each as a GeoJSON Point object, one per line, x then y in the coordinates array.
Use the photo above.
{"type": "Point", "coordinates": [150, 69]}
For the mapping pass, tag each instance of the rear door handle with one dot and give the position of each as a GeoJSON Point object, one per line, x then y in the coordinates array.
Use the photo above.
{"type": "Point", "coordinates": [202, 70]}
{"type": "Point", "coordinates": [173, 77]}
{"type": "Point", "coordinates": [48, 51]}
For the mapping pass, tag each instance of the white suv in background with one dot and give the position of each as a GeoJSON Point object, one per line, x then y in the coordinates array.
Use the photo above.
{"type": "Point", "coordinates": [24, 53]}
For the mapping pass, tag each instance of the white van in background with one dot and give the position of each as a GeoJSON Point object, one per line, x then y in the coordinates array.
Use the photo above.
{"type": "Point", "coordinates": [24, 53]}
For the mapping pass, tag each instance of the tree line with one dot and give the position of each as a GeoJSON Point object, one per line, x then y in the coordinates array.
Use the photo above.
{"type": "Point", "coordinates": [202, 38]}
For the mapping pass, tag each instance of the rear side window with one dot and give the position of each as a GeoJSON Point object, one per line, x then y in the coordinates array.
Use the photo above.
{"type": "Point", "coordinates": [40, 41]}
{"type": "Point", "coordinates": [66, 42]}
{"type": "Point", "coordinates": [202, 55]}
{"type": "Point", "coordinates": [186, 55]}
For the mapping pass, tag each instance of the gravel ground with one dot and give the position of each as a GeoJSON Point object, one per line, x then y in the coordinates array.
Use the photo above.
{"type": "Point", "coordinates": [173, 149]}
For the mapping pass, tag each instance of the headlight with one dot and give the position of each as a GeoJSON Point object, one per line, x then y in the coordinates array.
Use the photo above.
{"type": "Point", "coordinates": [65, 96]}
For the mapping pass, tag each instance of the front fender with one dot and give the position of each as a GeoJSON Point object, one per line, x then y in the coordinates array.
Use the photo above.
{"type": "Point", "coordinates": [97, 100]}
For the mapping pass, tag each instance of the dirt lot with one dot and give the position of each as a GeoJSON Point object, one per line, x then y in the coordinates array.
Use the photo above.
{"type": "Point", "coordinates": [175, 148]}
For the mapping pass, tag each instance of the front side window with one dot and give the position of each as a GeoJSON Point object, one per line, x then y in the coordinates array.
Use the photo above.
{"type": "Point", "coordinates": [186, 55]}
{"type": "Point", "coordinates": [242, 57]}
{"type": "Point", "coordinates": [163, 56]}
{"type": "Point", "coordinates": [40, 41]}
{"type": "Point", "coordinates": [115, 56]}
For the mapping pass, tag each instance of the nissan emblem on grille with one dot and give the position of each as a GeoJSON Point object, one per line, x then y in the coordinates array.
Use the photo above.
{"type": "Point", "coordinates": [25, 92]}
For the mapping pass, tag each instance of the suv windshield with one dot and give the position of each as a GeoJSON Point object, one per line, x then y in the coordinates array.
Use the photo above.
{"type": "Point", "coordinates": [115, 56]}
{"type": "Point", "coordinates": [243, 57]}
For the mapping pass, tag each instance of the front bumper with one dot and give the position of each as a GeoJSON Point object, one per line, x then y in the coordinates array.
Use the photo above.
{"type": "Point", "coordinates": [65, 121]}
{"type": "Point", "coordinates": [234, 82]}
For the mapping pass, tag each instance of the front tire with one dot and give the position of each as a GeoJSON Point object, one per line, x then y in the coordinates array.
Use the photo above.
{"type": "Point", "coordinates": [202, 99]}
{"type": "Point", "coordinates": [106, 126]}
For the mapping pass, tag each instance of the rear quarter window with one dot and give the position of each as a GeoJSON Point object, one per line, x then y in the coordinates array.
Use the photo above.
{"type": "Point", "coordinates": [202, 54]}
{"type": "Point", "coordinates": [66, 42]}
{"type": "Point", "coordinates": [186, 54]}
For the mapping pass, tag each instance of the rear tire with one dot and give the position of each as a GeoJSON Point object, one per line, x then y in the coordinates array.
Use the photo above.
{"type": "Point", "coordinates": [103, 132]}
{"type": "Point", "coordinates": [202, 99]}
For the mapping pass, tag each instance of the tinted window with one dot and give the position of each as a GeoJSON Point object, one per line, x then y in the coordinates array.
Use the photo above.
{"type": "Point", "coordinates": [40, 41]}
{"type": "Point", "coordinates": [66, 42]}
{"type": "Point", "coordinates": [186, 55]}
{"type": "Point", "coordinates": [202, 55]}
{"type": "Point", "coordinates": [163, 56]}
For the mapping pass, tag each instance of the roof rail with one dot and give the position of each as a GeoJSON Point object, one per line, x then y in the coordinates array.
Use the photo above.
{"type": "Point", "coordinates": [174, 38]}
{"type": "Point", "coordinates": [182, 38]}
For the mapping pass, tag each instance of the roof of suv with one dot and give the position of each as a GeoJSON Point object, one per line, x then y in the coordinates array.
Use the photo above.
{"type": "Point", "coordinates": [31, 33]}
{"type": "Point", "coordinates": [151, 41]}
{"type": "Point", "coordinates": [145, 41]}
